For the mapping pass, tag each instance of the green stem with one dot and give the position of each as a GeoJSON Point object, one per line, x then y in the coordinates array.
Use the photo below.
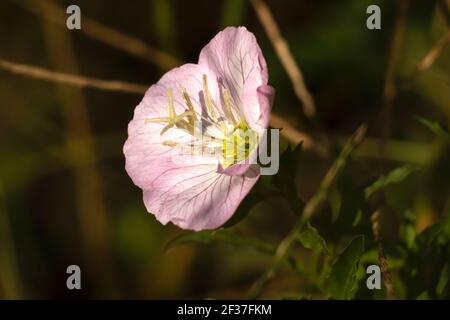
{"type": "Point", "coordinates": [313, 205]}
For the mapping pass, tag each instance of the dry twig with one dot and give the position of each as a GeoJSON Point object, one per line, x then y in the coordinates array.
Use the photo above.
{"type": "Point", "coordinates": [74, 80]}
{"type": "Point", "coordinates": [311, 207]}
{"type": "Point", "coordinates": [430, 58]}
{"type": "Point", "coordinates": [375, 219]}
{"type": "Point", "coordinates": [285, 56]}
{"type": "Point", "coordinates": [103, 33]}
{"type": "Point", "coordinates": [403, 151]}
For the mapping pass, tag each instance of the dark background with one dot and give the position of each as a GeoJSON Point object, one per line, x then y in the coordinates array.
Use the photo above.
{"type": "Point", "coordinates": [65, 197]}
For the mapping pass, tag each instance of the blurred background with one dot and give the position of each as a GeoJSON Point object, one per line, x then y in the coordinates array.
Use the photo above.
{"type": "Point", "coordinates": [65, 197]}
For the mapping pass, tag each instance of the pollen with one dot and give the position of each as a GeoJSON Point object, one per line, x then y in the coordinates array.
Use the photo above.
{"type": "Point", "coordinates": [221, 130]}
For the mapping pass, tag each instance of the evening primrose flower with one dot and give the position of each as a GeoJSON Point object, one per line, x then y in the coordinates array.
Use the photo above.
{"type": "Point", "coordinates": [193, 140]}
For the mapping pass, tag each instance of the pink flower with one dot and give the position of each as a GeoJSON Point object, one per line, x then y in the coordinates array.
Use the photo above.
{"type": "Point", "coordinates": [193, 139]}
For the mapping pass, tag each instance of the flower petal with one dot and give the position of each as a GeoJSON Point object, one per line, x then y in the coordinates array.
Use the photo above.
{"type": "Point", "coordinates": [236, 59]}
{"type": "Point", "coordinates": [197, 199]}
{"type": "Point", "coordinates": [266, 94]}
{"type": "Point", "coordinates": [146, 148]}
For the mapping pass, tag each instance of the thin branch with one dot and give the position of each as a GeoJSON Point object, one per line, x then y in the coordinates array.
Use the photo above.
{"type": "Point", "coordinates": [90, 202]}
{"type": "Point", "coordinates": [445, 10]}
{"type": "Point", "coordinates": [430, 58]}
{"type": "Point", "coordinates": [313, 205]}
{"type": "Point", "coordinates": [103, 33]}
{"type": "Point", "coordinates": [74, 80]}
{"type": "Point", "coordinates": [284, 54]}
{"type": "Point", "coordinates": [387, 280]}
{"type": "Point", "coordinates": [402, 151]}
{"type": "Point", "coordinates": [296, 136]}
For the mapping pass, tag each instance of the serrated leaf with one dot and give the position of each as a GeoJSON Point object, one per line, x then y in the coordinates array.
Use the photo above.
{"type": "Point", "coordinates": [311, 239]}
{"type": "Point", "coordinates": [335, 203]}
{"type": "Point", "coordinates": [395, 176]}
{"type": "Point", "coordinates": [285, 179]}
{"type": "Point", "coordinates": [436, 127]}
{"type": "Point", "coordinates": [439, 232]}
{"type": "Point", "coordinates": [358, 218]}
{"type": "Point", "coordinates": [224, 236]}
{"type": "Point", "coordinates": [423, 296]}
{"type": "Point", "coordinates": [346, 200]}
{"type": "Point", "coordinates": [244, 208]}
{"type": "Point", "coordinates": [342, 280]}
{"type": "Point", "coordinates": [443, 280]}
{"type": "Point", "coordinates": [289, 159]}
{"type": "Point", "coordinates": [408, 234]}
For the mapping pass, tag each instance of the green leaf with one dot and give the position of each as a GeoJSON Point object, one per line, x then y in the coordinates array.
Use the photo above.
{"type": "Point", "coordinates": [285, 179]}
{"type": "Point", "coordinates": [395, 176]}
{"type": "Point", "coordinates": [443, 280]}
{"type": "Point", "coordinates": [346, 200]}
{"type": "Point", "coordinates": [311, 239]}
{"type": "Point", "coordinates": [436, 127]}
{"type": "Point", "coordinates": [342, 280]}
{"type": "Point", "coordinates": [244, 208]}
{"type": "Point", "coordinates": [435, 234]}
{"type": "Point", "coordinates": [224, 236]}
{"type": "Point", "coordinates": [335, 203]}
{"type": "Point", "coordinates": [289, 159]}
{"type": "Point", "coordinates": [423, 296]}
{"type": "Point", "coordinates": [408, 234]}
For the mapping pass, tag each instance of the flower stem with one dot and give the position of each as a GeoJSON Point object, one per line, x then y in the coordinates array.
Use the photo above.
{"type": "Point", "coordinates": [313, 205]}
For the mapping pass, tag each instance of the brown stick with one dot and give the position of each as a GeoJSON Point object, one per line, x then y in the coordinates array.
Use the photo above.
{"type": "Point", "coordinates": [403, 151]}
{"type": "Point", "coordinates": [445, 10]}
{"type": "Point", "coordinates": [311, 207]}
{"type": "Point", "coordinates": [284, 54]}
{"type": "Point", "coordinates": [74, 80]}
{"type": "Point", "coordinates": [90, 202]}
{"type": "Point", "coordinates": [387, 280]}
{"type": "Point", "coordinates": [104, 33]}
{"type": "Point", "coordinates": [430, 58]}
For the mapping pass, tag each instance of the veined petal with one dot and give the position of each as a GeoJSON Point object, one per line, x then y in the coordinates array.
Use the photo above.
{"type": "Point", "coordinates": [228, 92]}
{"type": "Point", "coordinates": [234, 55]}
{"type": "Point", "coordinates": [198, 199]}
{"type": "Point", "coordinates": [266, 94]}
{"type": "Point", "coordinates": [146, 148]}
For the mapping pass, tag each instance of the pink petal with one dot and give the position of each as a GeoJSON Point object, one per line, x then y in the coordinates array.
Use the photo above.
{"type": "Point", "coordinates": [144, 150]}
{"type": "Point", "coordinates": [266, 94]}
{"type": "Point", "coordinates": [234, 55]}
{"type": "Point", "coordinates": [197, 199]}
{"type": "Point", "coordinates": [191, 193]}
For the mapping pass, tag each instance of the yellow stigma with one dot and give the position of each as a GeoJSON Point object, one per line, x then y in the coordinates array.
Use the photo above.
{"type": "Point", "coordinates": [223, 131]}
{"type": "Point", "coordinates": [238, 145]}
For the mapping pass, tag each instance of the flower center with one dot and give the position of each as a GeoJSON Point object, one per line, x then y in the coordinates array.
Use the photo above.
{"type": "Point", "coordinates": [238, 145]}
{"type": "Point", "coordinates": [220, 131]}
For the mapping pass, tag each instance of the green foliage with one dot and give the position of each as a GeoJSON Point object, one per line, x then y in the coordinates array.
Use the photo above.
{"type": "Point", "coordinates": [346, 201]}
{"type": "Point", "coordinates": [223, 236]}
{"type": "Point", "coordinates": [426, 263]}
{"type": "Point", "coordinates": [436, 127]}
{"type": "Point", "coordinates": [46, 192]}
{"type": "Point", "coordinates": [285, 179]}
{"type": "Point", "coordinates": [395, 176]}
{"type": "Point", "coordinates": [407, 230]}
{"type": "Point", "coordinates": [311, 239]}
{"type": "Point", "coordinates": [342, 280]}
{"type": "Point", "coordinates": [282, 184]}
